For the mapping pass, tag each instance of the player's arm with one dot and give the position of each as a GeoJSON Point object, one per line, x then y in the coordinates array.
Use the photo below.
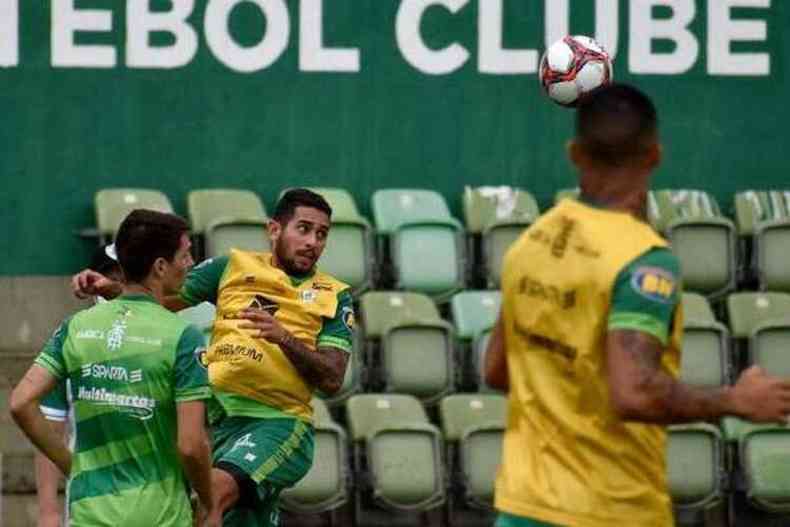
{"type": "Point", "coordinates": [47, 479]}
{"type": "Point", "coordinates": [25, 411]}
{"type": "Point", "coordinates": [191, 389]}
{"type": "Point", "coordinates": [495, 366]}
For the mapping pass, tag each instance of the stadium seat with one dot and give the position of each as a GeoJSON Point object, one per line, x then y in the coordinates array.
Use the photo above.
{"type": "Point", "coordinates": [765, 456]}
{"type": "Point", "coordinates": [747, 310]}
{"type": "Point", "coordinates": [763, 220]}
{"type": "Point", "coordinates": [397, 454]}
{"type": "Point", "coordinates": [325, 488]}
{"type": "Point", "coordinates": [705, 360]}
{"type": "Point", "coordinates": [701, 237]}
{"type": "Point", "coordinates": [695, 466]}
{"type": "Point", "coordinates": [769, 346]}
{"type": "Point", "coordinates": [349, 253]}
{"type": "Point", "coordinates": [201, 316]}
{"type": "Point", "coordinates": [378, 309]}
{"type": "Point", "coordinates": [473, 427]}
{"type": "Point", "coordinates": [696, 308]}
{"type": "Point", "coordinates": [425, 244]}
{"type": "Point", "coordinates": [224, 234]}
{"type": "Point", "coordinates": [112, 205]}
{"type": "Point", "coordinates": [473, 312]}
{"type": "Point", "coordinates": [495, 217]}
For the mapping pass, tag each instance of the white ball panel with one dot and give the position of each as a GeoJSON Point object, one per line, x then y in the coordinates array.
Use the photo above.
{"type": "Point", "coordinates": [591, 76]}
{"type": "Point", "coordinates": [588, 43]}
{"type": "Point", "coordinates": [560, 57]}
{"type": "Point", "coordinates": [564, 92]}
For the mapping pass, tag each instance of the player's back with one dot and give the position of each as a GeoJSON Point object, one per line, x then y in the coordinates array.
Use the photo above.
{"type": "Point", "coordinates": [120, 357]}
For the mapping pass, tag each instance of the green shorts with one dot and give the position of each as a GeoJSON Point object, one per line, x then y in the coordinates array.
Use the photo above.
{"type": "Point", "coordinates": [510, 520]}
{"type": "Point", "coordinates": [264, 456]}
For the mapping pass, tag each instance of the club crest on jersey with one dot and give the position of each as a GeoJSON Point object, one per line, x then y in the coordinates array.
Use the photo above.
{"type": "Point", "coordinates": [654, 283]}
{"type": "Point", "coordinates": [261, 302]}
{"type": "Point", "coordinates": [201, 357]}
{"type": "Point", "coordinates": [348, 317]}
{"type": "Point", "coordinates": [308, 296]}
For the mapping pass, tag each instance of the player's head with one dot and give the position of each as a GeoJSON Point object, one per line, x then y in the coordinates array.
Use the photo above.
{"type": "Point", "coordinates": [299, 230]}
{"type": "Point", "coordinates": [105, 261]}
{"type": "Point", "coordinates": [616, 127]}
{"type": "Point", "coordinates": [154, 246]}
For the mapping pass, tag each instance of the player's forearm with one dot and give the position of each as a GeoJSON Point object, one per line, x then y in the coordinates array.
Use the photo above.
{"type": "Point", "coordinates": [47, 479]}
{"type": "Point", "coordinates": [32, 422]}
{"type": "Point", "coordinates": [318, 369]}
{"type": "Point", "coordinates": [196, 460]}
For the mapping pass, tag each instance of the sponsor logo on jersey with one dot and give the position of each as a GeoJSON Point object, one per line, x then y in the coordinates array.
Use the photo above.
{"type": "Point", "coordinates": [116, 334]}
{"type": "Point", "coordinates": [244, 441]}
{"type": "Point", "coordinates": [308, 296]}
{"type": "Point", "coordinates": [135, 406]}
{"type": "Point", "coordinates": [266, 304]}
{"type": "Point", "coordinates": [111, 373]}
{"type": "Point", "coordinates": [201, 357]}
{"type": "Point", "coordinates": [550, 293]}
{"type": "Point", "coordinates": [321, 286]}
{"type": "Point", "coordinates": [230, 351]}
{"type": "Point", "coordinates": [654, 283]}
{"type": "Point", "coordinates": [348, 317]}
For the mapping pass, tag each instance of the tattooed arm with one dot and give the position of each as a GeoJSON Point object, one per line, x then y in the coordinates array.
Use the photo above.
{"type": "Point", "coordinates": [323, 368]}
{"type": "Point", "coordinates": [641, 390]}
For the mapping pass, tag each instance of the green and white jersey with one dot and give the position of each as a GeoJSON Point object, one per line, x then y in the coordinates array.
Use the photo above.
{"type": "Point", "coordinates": [129, 361]}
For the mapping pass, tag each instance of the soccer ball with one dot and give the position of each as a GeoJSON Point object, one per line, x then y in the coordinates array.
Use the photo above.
{"type": "Point", "coordinates": [572, 67]}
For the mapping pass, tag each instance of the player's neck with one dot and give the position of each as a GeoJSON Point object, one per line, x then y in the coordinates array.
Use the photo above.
{"type": "Point", "coordinates": [616, 189]}
{"type": "Point", "coordinates": [148, 287]}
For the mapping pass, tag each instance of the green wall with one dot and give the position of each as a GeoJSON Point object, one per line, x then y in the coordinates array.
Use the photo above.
{"type": "Point", "coordinates": [68, 131]}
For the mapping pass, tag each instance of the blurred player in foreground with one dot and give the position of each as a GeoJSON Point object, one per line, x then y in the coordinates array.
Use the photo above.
{"type": "Point", "coordinates": [588, 342]}
{"type": "Point", "coordinates": [137, 388]}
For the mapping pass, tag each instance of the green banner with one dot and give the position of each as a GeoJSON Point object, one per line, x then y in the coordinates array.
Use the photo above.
{"type": "Point", "coordinates": [364, 94]}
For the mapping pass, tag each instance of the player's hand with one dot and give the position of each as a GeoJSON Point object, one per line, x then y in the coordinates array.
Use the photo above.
{"type": "Point", "coordinates": [88, 283]}
{"type": "Point", "coordinates": [49, 519]}
{"type": "Point", "coordinates": [263, 325]}
{"type": "Point", "coordinates": [762, 398]}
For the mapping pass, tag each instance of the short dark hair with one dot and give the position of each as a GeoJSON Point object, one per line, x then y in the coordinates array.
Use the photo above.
{"type": "Point", "coordinates": [616, 124]}
{"type": "Point", "coordinates": [144, 236]}
{"type": "Point", "coordinates": [299, 197]}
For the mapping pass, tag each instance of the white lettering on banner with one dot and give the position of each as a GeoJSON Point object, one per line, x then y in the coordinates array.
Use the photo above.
{"type": "Point", "coordinates": [141, 23]}
{"type": "Point", "coordinates": [412, 46]}
{"type": "Point", "coordinates": [492, 57]}
{"type": "Point", "coordinates": [644, 29]}
{"type": "Point", "coordinates": [9, 33]}
{"type": "Point", "coordinates": [253, 58]}
{"type": "Point", "coordinates": [607, 19]}
{"type": "Point", "coordinates": [313, 56]}
{"type": "Point", "coordinates": [66, 22]}
{"type": "Point", "coordinates": [722, 31]}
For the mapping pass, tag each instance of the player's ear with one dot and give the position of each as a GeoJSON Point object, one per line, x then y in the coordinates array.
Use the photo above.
{"type": "Point", "coordinates": [575, 153]}
{"type": "Point", "coordinates": [654, 155]}
{"type": "Point", "coordinates": [274, 229]}
{"type": "Point", "coordinates": [159, 267]}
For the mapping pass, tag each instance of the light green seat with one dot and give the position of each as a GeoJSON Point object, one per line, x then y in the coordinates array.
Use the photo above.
{"type": "Point", "coordinates": [695, 467]}
{"type": "Point", "coordinates": [705, 358]}
{"type": "Point", "coordinates": [397, 453]}
{"type": "Point", "coordinates": [201, 316]}
{"type": "Point", "coordinates": [224, 234]}
{"type": "Point", "coordinates": [763, 217]}
{"type": "Point", "coordinates": [769, 346]}
{"type": "Point", "coordinates": [473, 427]}
{"type": "Point", "coordinates": [112, 205]}
{"type": "Point", "coordinates": [696, 308]}
{"type": "Point", "coordinates": [205, 206]}
{"type": "Point", "coordinates": [567, 193]}
{"type": "Point", "coordinates": [474, 311]}
{"type": "Point", "coordinates": [426, 244]}
{"type": "Point", "coordinates": [746, 311]}
{"type": "Point", "coordinates": [348, 255]}
{"type": "Point", "coordinates": [325, 486]}
{"type": "Point", "coordinates": [765, 458]}
{"type": "Point", "coordinates": [498, 215]}
{"type": "Point", "coordinates": [379, 309]}
{"type": "Point", "coordinates": [700, 236]}
{"type": "Point", "coordinates": [417, 359]}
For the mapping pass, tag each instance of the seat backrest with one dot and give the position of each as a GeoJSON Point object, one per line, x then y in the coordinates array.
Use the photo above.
{"type": "Point", "coordinates": [370, 412]}
{"type": "Point", "coordinates": [428, 259]}
{"type": "Point", "coordinates": [321, 413]}
{"type": "Point", "coordinates": [395, 207]}
{"type": "Point", "coordinates": [764, 455]}
{"type": "Point", "coordinates": [222, 236]}
{"type": "Point", "coordinates": [418, 360]}
{"type": "Point", "coordinates": [704, 361]}
{"type": "Point", "coordinates": [474, 311]}
{"type": "Point", "coordinates": [747, 310]}
{"type": "Point", "coordinates": [696, 308]}
{"type": "Point", "coordinates": [379, 309]}
{"type": "Point", "coordinates": [753, 207]}
{"type": "Point", "coordinates": [665, 206]}
{"type": "Point", "coordinates": [769, 347]}
{"type": "Point", "coordinates": [207, 205]}
{"type": "Point", "coordinates": [694, 462]}
{"type": "Point", "coordinates": [461, 412]}
{"type": "Point", "coordinates": [486, 206]}
{"type": "Point", "coordinates": [344, 208]}
{"type": "Point", "coordinates": [114, 204]}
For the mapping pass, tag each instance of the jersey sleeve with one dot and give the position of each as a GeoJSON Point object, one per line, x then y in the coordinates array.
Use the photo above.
{"type": "Point", "coordinates": [191, 375]}
{"type": "Point", "coordinates": [55, 406]}
{"type": "Point", "coordinates": [202, 282]}
{"type": "Point", "coordinates": [646, 294]}
{"type": "Point", "coordinates": [51, 357]}
{"type": "Point", "coordinates": [337, 332]}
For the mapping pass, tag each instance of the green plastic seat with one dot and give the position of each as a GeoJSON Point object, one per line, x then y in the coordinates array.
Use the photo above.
{"type": "Point", "coordinates": [474, 311]}
{"type": "Point", "coordinates": [380, 308]}
{"type": "Point", "coordinates": [473, 427]}
{"type": "Point", "coordinates": [705, 359]}
{"type": "Point", "coordinates": [325, 486]}
{"type": "Point", "coordinates": [747, 310]}
{"type": "Point", "coordinates": [395, 207]}
{"type": "Point", "coordinates": [695, 466]}
{"type": "Point", "coordinates": [701, 237]}
{"type": "Point", "coordinates": [765, 456]}
{"type": "Point", "coordinates": [769, 346]}
{"type": "Point", "coordinates": [763, 219]}
{"type": "Point", "coordinates": [205, 206]}
{"type": "Point", "coordinates": [417, 358]}
{"type": "Point", "coordinates": [112, 205]}
{"type": "Point", "coordinates": [224, 234]}
{"type": "Point", "coordinates": [696, 308]}
{"type": "Point", "coordinates": [397, 453]}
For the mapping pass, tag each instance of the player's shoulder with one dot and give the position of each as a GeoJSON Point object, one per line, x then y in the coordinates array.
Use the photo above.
{"type": "Point", "coordinates": [327, 282]}
{"type": "Point", "coordinates": [655, 274]}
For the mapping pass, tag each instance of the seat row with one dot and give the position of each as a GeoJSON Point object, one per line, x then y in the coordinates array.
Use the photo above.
{"type": "Point", "coordinates": [418, 245]}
